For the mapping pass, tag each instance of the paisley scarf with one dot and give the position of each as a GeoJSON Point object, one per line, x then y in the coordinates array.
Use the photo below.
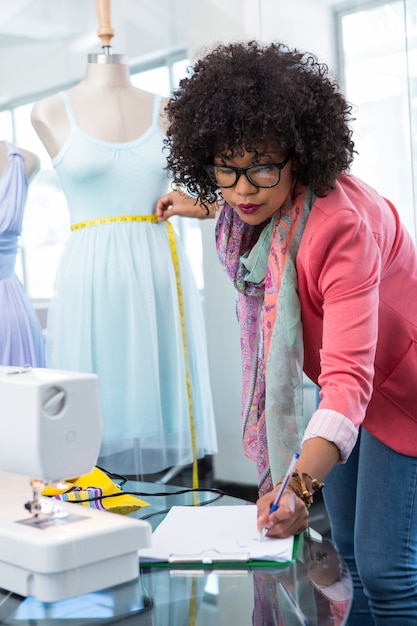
{"type": "Point", "coordinates": [260, 260]}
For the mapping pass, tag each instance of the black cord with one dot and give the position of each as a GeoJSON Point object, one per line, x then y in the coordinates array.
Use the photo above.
{"type": "Point", "coordinates": [220, 493]}
{"type": "Point", "coordinates": [181, 491]}
{"type": "Point", "coordinates": [124, 479]}
{"type": "Point", "coordinates": [148, 495]}
{"type": "Point", "coordinates": [163, 511]}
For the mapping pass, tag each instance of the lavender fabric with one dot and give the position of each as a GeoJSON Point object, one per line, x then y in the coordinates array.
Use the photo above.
{"type": "Point", "coordinates": [21, 339]}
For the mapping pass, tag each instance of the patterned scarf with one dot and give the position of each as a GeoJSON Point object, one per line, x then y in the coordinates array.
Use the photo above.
{"type": "Point", "coordinates": [260, 260]}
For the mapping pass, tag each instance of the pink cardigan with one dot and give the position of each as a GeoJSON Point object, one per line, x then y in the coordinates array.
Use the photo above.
{"type": "Point", "coordinates": [357, 278]}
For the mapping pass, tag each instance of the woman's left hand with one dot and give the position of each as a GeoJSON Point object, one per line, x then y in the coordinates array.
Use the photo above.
{"type": "Point", "coordinates": [291, 517]}
{"type": "Point", "coordinates": [178, 203]}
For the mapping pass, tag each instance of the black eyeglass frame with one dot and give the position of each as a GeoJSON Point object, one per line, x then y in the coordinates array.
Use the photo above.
{"type": "Point", "coordinates": [209, 169]}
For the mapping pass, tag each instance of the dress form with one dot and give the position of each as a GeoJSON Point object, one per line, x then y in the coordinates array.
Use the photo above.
{"type": "Point", "coordinates": [117, 280]}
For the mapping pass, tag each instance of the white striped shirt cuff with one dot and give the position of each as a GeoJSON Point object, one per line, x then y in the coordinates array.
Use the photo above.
{"type": "Point", "coordinates": [334, 427]}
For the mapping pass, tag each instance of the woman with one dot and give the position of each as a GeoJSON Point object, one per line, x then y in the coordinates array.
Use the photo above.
{"type": "Point", "coordinates": [326, 277]}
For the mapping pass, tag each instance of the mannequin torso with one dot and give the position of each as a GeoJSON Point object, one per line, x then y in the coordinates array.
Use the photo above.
{"type": "Point", "coordinates": [106, 105]}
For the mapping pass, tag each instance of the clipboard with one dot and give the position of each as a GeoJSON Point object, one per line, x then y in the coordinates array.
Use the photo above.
{"type": "Point", "coordinates": [214, 537]}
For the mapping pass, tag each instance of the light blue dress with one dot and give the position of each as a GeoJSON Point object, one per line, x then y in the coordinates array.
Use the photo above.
{"type": "Point", "coordinates": [115, 309]}
{"type": "Point", "coordinates": [21, 338]}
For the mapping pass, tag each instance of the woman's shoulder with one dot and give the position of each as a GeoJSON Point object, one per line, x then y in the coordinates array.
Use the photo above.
{"type": "Point", "coordinates": [350, 216]}
{"type": "Point", "coordinates": [352, 199]}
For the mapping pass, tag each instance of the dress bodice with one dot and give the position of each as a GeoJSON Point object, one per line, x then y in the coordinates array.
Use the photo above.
{"type": "Point", "coordinates": [106, 179]}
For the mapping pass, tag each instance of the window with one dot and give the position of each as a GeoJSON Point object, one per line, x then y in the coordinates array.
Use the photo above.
{"type": "Point", "coordinates": [379, 61]}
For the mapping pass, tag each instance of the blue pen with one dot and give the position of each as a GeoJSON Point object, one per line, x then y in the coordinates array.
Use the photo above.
{"type": "Point", "coordinates": [284, 483]}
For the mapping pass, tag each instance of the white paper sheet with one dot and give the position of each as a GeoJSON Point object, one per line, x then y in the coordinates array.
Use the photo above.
{"type": "Point", "coordinates": [214, 533]}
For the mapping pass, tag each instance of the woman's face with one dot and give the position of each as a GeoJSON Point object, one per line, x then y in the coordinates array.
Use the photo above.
{"type": "Point", "coordinates": [254, 204]}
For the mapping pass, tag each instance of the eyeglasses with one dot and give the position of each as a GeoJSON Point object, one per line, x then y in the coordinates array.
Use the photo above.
{"type": "Point", "coordinates": [265, 175]}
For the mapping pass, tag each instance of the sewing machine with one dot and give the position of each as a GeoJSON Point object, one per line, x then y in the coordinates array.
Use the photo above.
{"type": "Point", "coordinates": [51, 430]}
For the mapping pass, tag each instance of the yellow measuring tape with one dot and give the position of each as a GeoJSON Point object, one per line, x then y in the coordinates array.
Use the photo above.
{"type": "Point", "coordinates": [193, 603]}
{"type": "Point", "coordinates": [174, 255]}
{"type": "Point", "coordinates": [117, 218]}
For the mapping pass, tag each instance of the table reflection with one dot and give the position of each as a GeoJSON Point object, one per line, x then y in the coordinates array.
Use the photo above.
{"type": "Point", "coordinates": [315, 590]}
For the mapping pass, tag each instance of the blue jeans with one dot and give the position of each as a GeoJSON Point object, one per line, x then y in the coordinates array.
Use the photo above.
{"type": "Point", "coordinates": [372, 506]}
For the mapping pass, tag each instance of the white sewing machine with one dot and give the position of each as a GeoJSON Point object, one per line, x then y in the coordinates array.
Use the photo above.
{"type": "Point", "coordinates": [51, 430]}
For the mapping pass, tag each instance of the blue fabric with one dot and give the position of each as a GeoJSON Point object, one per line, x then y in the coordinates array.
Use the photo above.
{"type": "Point", "coordinates": [115, 310]}
{"type": "Point", "coordinates": [21, 338]}
{"type": "Point", "coordinates": [372, 506]}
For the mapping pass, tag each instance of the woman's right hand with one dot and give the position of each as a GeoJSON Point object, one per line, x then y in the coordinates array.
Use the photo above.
{"type": "Point", "coordinates": [290, 518]}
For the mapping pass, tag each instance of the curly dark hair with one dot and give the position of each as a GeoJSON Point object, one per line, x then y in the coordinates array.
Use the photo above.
{"type": "Point", "coordinates": [246, 95]}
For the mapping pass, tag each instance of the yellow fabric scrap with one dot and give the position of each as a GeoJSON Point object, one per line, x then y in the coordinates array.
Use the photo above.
{"type": "Point", "coordinates": [95, 484]}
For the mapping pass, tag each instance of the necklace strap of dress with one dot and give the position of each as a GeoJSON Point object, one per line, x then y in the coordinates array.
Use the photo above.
{"type": "Point", "coordinates": [156, 110]}
{"type": "Point", "coordinates": [68, 108]}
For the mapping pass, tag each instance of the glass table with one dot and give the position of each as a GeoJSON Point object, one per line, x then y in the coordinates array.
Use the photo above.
{"type": "Point", "coordinates": [314, 590]}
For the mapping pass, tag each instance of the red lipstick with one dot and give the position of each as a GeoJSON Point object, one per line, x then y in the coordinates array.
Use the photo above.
{"type": "Point", "coordinates": [248, 208]}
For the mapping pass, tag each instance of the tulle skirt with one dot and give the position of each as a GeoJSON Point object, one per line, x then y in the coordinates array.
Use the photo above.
{"type": "Point", "coordinates": [116, 312]}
